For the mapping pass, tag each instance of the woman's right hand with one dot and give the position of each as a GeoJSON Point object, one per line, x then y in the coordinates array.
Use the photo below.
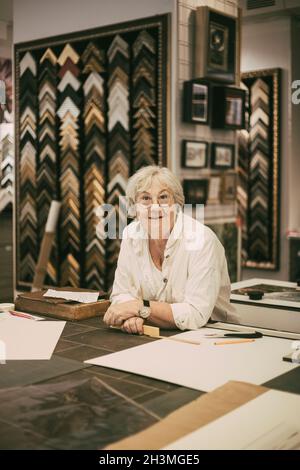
{"type": "Point", "coordinates": [133, 326]}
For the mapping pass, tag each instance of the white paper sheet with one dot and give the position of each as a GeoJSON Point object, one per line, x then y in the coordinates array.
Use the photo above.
{"type": "Point", "coordinates": [23, 339]}
{"type": "Point", "coordinates": [206, 366]}
{"type": "Point", "coordinates": [9, 316]}
{"type": "Point", "coordinates": [83, 297]}
{"type": "Point", "coordinates": [269, 422]}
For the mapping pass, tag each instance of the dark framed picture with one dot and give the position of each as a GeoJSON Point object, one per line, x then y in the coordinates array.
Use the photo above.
{"type": "Point", "coordinates": [217, 51]}
{"type": "Point", "coordinates": [228, 108]}
{"type": "Point", "coordinates": [194, 154]}
{"type": "Point", "coordinates": [195, 191]}
{"type": "Point", "coordinates": [229, 187]}
{"type": "Point", "coordinates": [196, 101]}
{"type": "Point", "coordinates": [222, 156]}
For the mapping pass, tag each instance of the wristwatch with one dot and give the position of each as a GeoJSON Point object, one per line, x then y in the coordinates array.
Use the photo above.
{"type": "Point", "coordinates": [145, 311]}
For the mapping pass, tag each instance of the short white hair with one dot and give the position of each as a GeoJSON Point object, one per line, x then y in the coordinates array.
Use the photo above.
{"type": "Point", "coordinates": [142, 180]}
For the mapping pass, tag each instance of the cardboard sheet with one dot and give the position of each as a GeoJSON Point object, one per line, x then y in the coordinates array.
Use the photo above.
{"type": "Point", "coordinates": [206, 366]}
{"type": "Point", "coordinates": [269, 422]}
{"type": "Point", "coordinates": [189, 418]}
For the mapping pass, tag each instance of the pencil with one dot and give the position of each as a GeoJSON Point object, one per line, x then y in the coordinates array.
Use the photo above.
{"type": "Point", "coordinates": [234, 341]}
{"type": "Point", "coordinates": [188, 341]}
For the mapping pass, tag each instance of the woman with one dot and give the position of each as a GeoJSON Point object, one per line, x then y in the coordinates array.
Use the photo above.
{"type": "Point", "coordinates": [172, 270]}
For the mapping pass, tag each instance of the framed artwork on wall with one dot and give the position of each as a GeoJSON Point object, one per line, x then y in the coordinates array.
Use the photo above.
{"type": "Point", "coordinates": [217, 46]}
{"type": "Point", "coordinates": [222, 156]}
{"type": "Point", "coordinates": [196, 101]}
{"type": "Point", "coordinates": [229, 187]}
{"type": "Point", "coordinates": [194, 154]}
{"type": "Point", "coordinates": [228, 108]}
{"type": "Point", "coordinates": [195, 191]}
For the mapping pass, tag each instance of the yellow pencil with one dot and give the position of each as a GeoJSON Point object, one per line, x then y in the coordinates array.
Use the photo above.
{"type": "Point", "coordinates": [234, 341]}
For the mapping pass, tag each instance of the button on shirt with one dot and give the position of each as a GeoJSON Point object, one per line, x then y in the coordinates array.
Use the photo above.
{"type": "Point", "coordinates": [194, 278]}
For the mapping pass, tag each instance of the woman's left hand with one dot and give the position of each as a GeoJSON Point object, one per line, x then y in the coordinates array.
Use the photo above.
{"type": "Point", "coordinates": [117, 314]}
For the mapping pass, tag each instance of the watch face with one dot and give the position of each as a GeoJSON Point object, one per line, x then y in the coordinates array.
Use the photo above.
{"type": "Point", "coordinates": [145, 312]}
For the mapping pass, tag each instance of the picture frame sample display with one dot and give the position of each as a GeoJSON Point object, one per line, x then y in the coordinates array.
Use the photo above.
{"type": "Point", "coordinates": [228, 108]}
{"type": "Point", "coordinates": [194, 154]}
{"type": "Point", "coordinates": [196, 101]}
{"type": "Point", "coordinates": [6, 91]}
{"type": "Point", "coordinates": [195, 191]}
{"type": "Point", "coordinates": [6, 167]}
{"type": "Point", "coordinates": [91, 109]}
{"type": "Point", "coordinates": [222, 156]}
{"type": "Point", "coordinates": [259, 170]}
{"type": "Point", "coordinates": [229, 187]}
{"type": "Point", "coordinates": [217, 46]}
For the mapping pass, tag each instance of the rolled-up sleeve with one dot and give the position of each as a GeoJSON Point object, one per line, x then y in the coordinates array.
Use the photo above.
{"type": "Point", "coordinates": [202, 287]}
{"type": "Point", "coordinates": [122, 290]}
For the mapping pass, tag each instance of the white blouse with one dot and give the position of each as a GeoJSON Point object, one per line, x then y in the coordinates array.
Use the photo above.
{"type": "Point", "coordinates": [194, 278]}
{"type": "Point", "coordinates": [156, 277]}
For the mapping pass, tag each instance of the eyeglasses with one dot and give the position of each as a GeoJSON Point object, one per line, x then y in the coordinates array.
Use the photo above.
{"type": "Point", "coordinates": [164, 199]}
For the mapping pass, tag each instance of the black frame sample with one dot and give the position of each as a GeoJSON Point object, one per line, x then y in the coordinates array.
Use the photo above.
{"type": "Point", "coordinates": [217, 45]}
{"type": "Point", "coordinates": [190, 188]}
{"type": "Point", "coordinates": [189, 102]}
{"type": "Point", "coordinates": [220, 98]}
